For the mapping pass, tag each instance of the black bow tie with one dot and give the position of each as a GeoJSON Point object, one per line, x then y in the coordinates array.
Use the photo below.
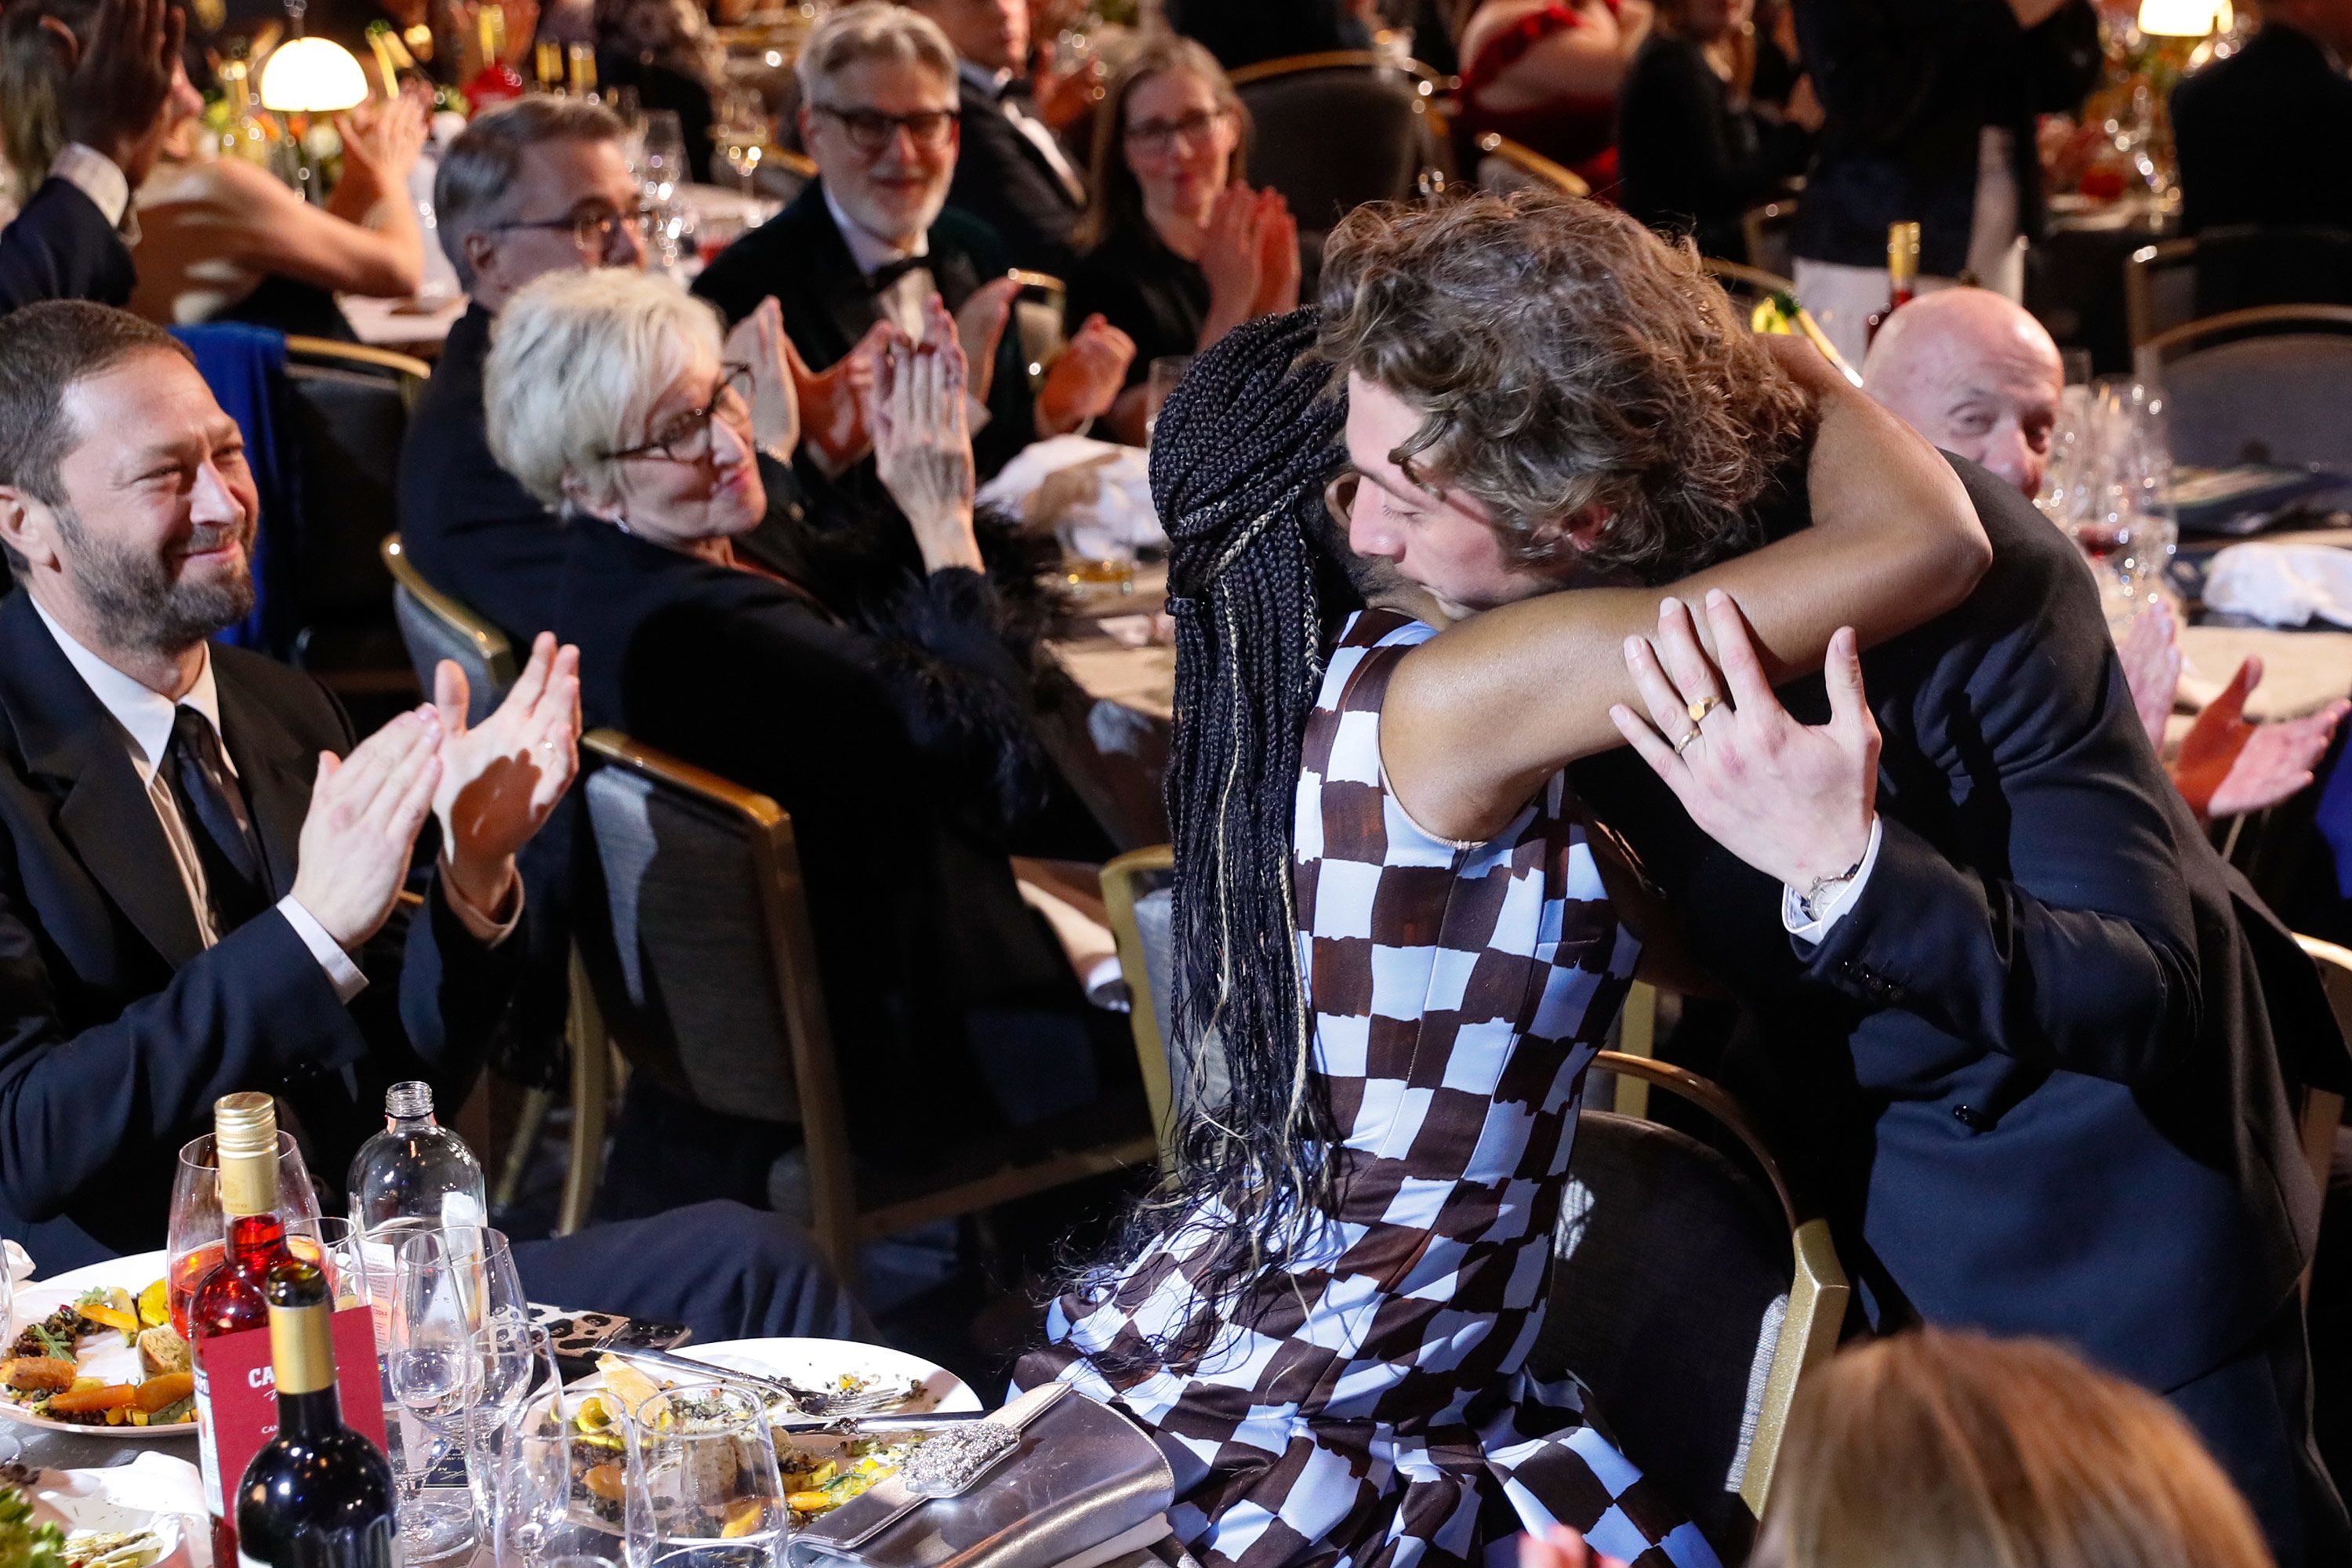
{"type": "Point", "coordinates": [889, 272]}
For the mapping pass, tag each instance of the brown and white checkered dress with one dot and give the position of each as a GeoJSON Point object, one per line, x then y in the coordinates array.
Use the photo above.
{"type": "Point", "coordinates": [1372, 1409]}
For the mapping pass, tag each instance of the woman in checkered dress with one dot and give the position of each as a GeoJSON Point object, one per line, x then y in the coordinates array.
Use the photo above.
{"type": "Point", "coordinates": [1324, 1316]}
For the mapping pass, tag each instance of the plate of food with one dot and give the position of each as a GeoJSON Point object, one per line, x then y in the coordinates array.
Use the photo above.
{"type": "Point", "coordinates": [56, 1520]}
{"type": "Point", "coordinates": [94, 1351]}
{"type": "Point", "coordinates": [821, 1470]}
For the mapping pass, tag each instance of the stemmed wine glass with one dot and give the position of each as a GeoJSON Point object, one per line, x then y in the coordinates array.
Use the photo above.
{"type": "Point", "coordinates": [198, 1233]}
{"type": "Point", "coordinates": [431, 1366]}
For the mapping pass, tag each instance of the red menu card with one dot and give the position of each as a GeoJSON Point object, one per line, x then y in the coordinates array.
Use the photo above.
{"type": "Point", "coordinates": [238, 1375]}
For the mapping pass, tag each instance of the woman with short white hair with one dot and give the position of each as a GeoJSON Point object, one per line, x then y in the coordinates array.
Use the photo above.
{"type": "Point", "coordinates": [899, 737]}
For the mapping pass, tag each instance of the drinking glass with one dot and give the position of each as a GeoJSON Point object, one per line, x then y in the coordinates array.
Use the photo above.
{"type": "Point", "coordinates": [536, 1523]}
{"type": "Point", "coordinates": [664, 155]}
{"type": "Point", "coordinates": [198, 1233]}
{"type": "Point", "coordinates": [703, 1488]}
{"type": "Point", "coordinates": [2129, 527]}
{"type": "Point", "coordinates": [1160, 380]}
{"type": "Point", "coordinates": [9, 1447]}
{"type": "Point", "coordinates": [430, 1365]}
{"type": "Point", "coordinates": [517, 1374]}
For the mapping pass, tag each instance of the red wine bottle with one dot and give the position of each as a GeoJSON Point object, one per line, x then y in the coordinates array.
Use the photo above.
{"type": "Point", "coordinates": [319, 1495]}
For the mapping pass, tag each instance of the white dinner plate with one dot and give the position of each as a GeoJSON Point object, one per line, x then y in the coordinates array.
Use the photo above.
{"type": "Point", "coordinates": [818, 1364]}
{"type": "Point", "coordinates": [74, 1502]}
{"type": "Point", "coordinates": [104, 1356]}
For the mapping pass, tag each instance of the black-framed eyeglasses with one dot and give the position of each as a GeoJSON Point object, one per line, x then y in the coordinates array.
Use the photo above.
{"type": "Point", "coordinates": [871, 130]}
{"type": "Point", "coordinates": [1159, 136]}
{"type": "Point", "coordinates": [687, 437]}
{"type": "Point", "coordinates": [592, 231]}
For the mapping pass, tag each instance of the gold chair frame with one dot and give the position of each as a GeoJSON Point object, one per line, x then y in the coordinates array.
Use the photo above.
{"type": "Point", "coordinates": [326, 351]}
{"type": "Point", "coordinates": [836, 1219]}
{"type": "Point", "coordinates": [1748, 277]}
{"type": "Point", "coordinates": [2323, 1110]}
{"type": "Point", "coordinates": [1532, 164]}
{"type": "Point", "coordinates": [1428, 82]}
{"type": "Point", "coordinates": [489, 643]}
{"type": "Point", "coordinates": [2257, 321]}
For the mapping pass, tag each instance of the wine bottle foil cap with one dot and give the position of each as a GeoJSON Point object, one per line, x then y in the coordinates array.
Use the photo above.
{"type": "Point", "coordinates": [302, 1346]}
{"type": "Point", "coordinates": [244, 1137]}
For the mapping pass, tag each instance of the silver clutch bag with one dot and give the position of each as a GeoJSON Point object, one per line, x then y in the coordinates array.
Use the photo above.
{"type": "Point", "coordinates": [1080, 1481]}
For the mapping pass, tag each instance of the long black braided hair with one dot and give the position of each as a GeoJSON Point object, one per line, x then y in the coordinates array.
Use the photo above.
{"type": "Point", "coordinates": [1258, 588]}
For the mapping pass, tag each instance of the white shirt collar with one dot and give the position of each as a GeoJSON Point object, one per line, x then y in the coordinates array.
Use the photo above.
{"type": "Point", "coordinates": [991, 82]}
{"type": "Point", "coordinates": [144, 714]}
{"type": "Point", "coordinates": [865, 248]}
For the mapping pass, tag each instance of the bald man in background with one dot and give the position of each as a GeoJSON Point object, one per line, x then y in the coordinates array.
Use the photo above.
{"type": "Point", "coordinates": [1977, 374]}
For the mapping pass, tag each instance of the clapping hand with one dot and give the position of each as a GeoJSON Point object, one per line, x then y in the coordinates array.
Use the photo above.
{"type": "Point", "coordinates": [1794, 801]}
{"type": "Point", "coordinates": [922, 446]}
{"type": "Point", "coordinates": [2151, 651]}
{"type": "Point", "coordinates": [382, 138]}
{"type": "Point", "coordinates": [759, 341]}
{"type": "Point", "coordinates": [1087, 379]}
{"type": "Point", "coordinates": [979, 327]}
{"type": "Point", "coordinates": [500, 778]}
{"type": "Point", "coordinates": [832, 400]}
{"type": "Point", "coordinates": [1277, 256]}
{"type": "Point", "coordinates": [2228, 766]}
{"type": "Point", "coordinates": [114, 96]}
{"type": "Point", "coordinates": [1560, 1547]}
{"type": "Point", "coordinates": [366, 810]}
{"type": "Point", "coordinates": [1233, 252]}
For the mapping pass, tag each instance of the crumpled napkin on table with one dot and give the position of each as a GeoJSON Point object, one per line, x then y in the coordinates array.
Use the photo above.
{"type": "Point", "coordinates": [2281, 584]}
{"type": "Point", "coordinates": [152, 1483]}
{"type": "Point", "coordinates": [1096, 488]}
{"type": "Point", "coordinates": [20, 1262]}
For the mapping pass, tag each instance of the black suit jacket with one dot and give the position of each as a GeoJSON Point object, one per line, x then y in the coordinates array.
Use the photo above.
{"type": "Point", "coordinates": [1908, 85]}
{"type": "Point", "coordinates": [799, 257]}
{"type": "Point", "coordinates": [469, 525]}
{"type": "Point", "coordinates": [902, 758]}
{"type": "Point", "coordinates": [2260, 136]}
{"type": "Point", "coordinates": [61, 247]}
{"type": "Point", "coordinates": [2035, 1072]}
{"type": "Point", "coordinates": [118, 1028]}
{"type": "Point", "coordinates": [1002, 179]}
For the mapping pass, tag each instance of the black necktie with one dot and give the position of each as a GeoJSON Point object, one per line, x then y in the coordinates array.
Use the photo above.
{"type": "Point", "coordinates": [889, 272]}
{"type": "Point", "coordinates": [214, 811]}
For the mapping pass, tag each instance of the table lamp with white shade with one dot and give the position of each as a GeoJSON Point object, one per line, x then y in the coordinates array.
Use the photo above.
{"type": "Point", "coordinates": [310, 76]}
{"type": "Point", "coordinates": [2185, 18]}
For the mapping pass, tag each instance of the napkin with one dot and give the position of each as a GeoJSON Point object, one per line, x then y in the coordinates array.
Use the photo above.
{"type": "Point", "coordinates": [152, 1483]}
{"type": "Point", "coordinates": [2281, 584]}
{"type": "Point", "coordinates": [1099, 490]}
{"type": "Point", "coordinates": [19, 1262]}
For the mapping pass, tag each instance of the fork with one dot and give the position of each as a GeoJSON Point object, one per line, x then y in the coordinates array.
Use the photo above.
{"type": "Point", "coordinates": [811, 1401]}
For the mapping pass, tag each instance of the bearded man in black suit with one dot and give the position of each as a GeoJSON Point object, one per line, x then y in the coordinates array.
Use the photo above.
{"type": "Point", "coordinates": [2026, 1038]}
{"type": "Point", "coordinates": [200, 874]}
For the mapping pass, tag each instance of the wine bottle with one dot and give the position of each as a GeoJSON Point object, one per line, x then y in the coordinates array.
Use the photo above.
{"type": "Point", "coordinates": [1902, 275]}
{"type": "Point", "coordinates": [229, 1299]}
{"type": "Point", "coordinates": [319, 1495]}
{"type": "Point", "coordinates": [496, 82]}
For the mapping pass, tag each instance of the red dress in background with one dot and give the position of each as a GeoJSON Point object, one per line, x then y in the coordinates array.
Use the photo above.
{"type": "Point", "coordinates": [1580, 132]}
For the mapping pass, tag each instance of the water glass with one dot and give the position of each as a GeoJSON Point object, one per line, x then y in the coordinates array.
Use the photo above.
{"type": "Point", "coordinates": [198, 1231]}
{"type": "Point", "coordinates": [515, 1363]}
{"type": "Point", "coordinates": [663, 167]}
{"type": "Point", "coordinates": [704, 1490]}
{"type": "Point", "coordinates": [537, 1522]}
{"type": "Point", "coordinates": [431, 1369]}
{"type": "Point", "coordinates": [1160, 380]}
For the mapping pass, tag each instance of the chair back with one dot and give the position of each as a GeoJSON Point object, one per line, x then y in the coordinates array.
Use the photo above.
{"type": "Point", "coordinates": [1140, 901]}
{"type": "Point", "coordinates": [2323, 1110]}
{"type": "Point", "coordinates": [348, 406]}
{"type": "Point", "coordinates": [693, 928]}
{"type": "Point", "coordinates": [2269, 384]}
{"type": "Point", "coordinates": [1505, 166]}
{"type": "Point", "coordinates": [1746, 284]}
{"type": "Point", "coordinates": [436, 626]}
{"type": "Point", "coordinates": [1334, 131]}
{"type": "Point", "coordinates": [1689, 1297]}
{"type": "Point", "coordinates": [2236, 268]}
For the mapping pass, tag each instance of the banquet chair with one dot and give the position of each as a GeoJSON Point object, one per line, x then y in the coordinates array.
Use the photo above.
{"type": "Point", "coordinates": [1746, 284]}
{"type": "Point", "coordinates": [1505, 166]}
{"type": "Point", "coordinates": [436, 626]}
{"type": "Point", "coordinates": [2268, 384]}
{"type": "Point", "coordinates": [1334, 131]}
{"type": "Point", "coordinates": [348, 408]}
{"type": "Point", "coordinates": [2323, 1110]}
{"type": "Point", "coordinates": [694, 934]}
{"type": "Point", "coordinates": [1690, 1298]}
{"type": "Point", "coordinates": [2235, 267]}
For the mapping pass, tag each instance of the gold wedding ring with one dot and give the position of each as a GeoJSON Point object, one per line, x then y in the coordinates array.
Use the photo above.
{"type": "Point", "coordinates": [1692, 734]}
{"type": "Point", "coordinates": [1698, 709]}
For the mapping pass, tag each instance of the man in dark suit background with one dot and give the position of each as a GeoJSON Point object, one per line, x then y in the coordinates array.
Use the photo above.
{"type": "Point", "coordinates": [1011, 173]}
{"type": "Point", "coordinates": [2260, 135]}
{"type": "Point", "coordinates": [872, 237]}
{"type": "Point", "coordinates": [67, 243]}
{"type": "Point", "coordinates": [2018, 1028]}
{"type": "Point", "coordinates": [200, 874]}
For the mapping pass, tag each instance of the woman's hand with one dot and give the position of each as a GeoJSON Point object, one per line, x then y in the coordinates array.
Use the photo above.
{"type": "Point", "coordinates": [980, 328]}
{"type": "Point", "coordinates": [1231, 253]}
{"type": "Point", "coordinates": [1277, 256]}
{"type": "Point", "coordinates": [382, 138]}
{"type": "Point", "coordinates": [759, 341]}
{"type": "Point", "coordinates": [1086, 379]}
{"type": "Point", "coordinates": [921, 446]}
{"type": "Point", "coordinates": [1794, 801]}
